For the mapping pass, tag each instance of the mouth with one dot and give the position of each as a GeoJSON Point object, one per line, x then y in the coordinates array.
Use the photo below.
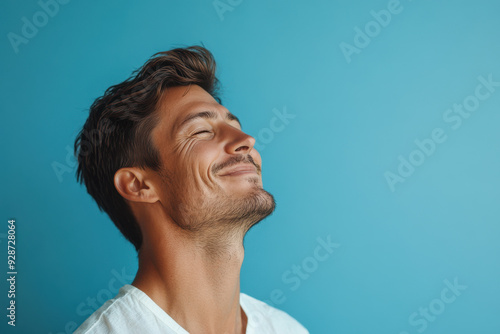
{"type": "Point", "coordinates": [240, 173]}
{"type": "Point", "coordinates": [241, 170]}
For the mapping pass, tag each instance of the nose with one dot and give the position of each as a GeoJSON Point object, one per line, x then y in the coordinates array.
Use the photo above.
{"type": "Point", "coordinates": [238, 141]}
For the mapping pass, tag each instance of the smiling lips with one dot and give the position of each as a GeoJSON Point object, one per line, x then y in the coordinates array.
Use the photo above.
{"type": "Point", "coordinates": [240, 170]}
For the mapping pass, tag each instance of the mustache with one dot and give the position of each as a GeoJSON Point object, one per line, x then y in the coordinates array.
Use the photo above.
{"type": "Point", "coordinates": [234, 161]}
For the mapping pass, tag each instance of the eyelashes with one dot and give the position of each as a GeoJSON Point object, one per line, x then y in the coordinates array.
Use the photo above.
{"type": "Point", "coordinates": [209, 131]}
{"type": "Point", "coordinates": [203, 131]}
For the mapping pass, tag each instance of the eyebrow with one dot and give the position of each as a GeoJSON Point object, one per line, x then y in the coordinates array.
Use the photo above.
{"type": "Point", "coordinates": [206, 115]}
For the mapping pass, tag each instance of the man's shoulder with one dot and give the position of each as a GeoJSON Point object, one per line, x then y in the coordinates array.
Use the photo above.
{"type": "Point", "coordinates": [262, 316]}
{"type": "Point", "coordinates": [128, 312]}
{"type": "Point", "coordinates": [106, 316]}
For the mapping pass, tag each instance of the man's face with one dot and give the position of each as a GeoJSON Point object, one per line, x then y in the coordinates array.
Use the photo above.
{"type": "Point", "coordinates": [211, 173]}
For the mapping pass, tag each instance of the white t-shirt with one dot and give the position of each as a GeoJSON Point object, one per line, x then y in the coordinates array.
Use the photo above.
{"type": "Point", "coordinates": [132, 311]}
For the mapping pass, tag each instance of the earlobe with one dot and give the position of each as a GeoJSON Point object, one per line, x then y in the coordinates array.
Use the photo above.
{"type": "Point", "coordinates": [133, 185]}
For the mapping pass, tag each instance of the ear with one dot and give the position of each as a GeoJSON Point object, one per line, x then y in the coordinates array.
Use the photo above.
{"type": "Point", "coordinates": [134, 185]}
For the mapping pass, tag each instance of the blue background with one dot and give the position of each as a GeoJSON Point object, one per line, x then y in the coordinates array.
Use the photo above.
{"type": "Point", "coordinates": [353, 117]}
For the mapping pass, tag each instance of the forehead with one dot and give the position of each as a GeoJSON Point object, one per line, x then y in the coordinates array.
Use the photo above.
{"type": "Point", "coordinates": [177, 102]}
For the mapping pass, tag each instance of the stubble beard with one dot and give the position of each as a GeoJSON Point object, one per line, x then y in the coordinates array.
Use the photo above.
{"type": "Point", "coordinates": [220, 220]}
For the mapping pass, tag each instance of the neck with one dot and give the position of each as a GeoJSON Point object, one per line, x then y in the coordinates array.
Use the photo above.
{"type": "Point", "coordinates": [195, 280]}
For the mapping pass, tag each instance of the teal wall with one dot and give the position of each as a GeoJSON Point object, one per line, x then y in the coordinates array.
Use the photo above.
{"type": "Point", "coordinates": [385, 171]}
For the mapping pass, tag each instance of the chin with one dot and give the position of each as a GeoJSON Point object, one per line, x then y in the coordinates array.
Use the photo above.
{"type": "Point", "coordinates": [262, 203]}
{"type": "Point", "coordinates": [244, 185]}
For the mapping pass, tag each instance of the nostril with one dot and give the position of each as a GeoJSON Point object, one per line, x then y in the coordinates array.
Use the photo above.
{"type": "Point", "coordinates": [242, 147]}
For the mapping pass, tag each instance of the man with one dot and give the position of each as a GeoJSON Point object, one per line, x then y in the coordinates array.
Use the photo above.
{"type": "Point", "coordinates": [181, 180]}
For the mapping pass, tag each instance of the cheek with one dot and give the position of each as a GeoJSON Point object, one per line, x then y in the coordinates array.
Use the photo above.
{"type": "Point", "coordinates": [192, 162]}
{"type": "Point", "coordinates": [204, 157]}
{"type": "Point", "coordinates": [196, 165]}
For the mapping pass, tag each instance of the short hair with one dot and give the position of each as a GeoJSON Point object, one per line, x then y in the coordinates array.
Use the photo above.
{"type": "Point", "coordinates": [117, 132]}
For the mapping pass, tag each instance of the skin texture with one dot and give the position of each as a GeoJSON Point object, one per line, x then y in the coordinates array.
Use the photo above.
{"type": "Point", "coordinates": [193, 216]}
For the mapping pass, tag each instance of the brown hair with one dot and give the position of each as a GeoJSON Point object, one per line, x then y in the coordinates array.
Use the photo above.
{"type": "Point", "coordinates": [117, 131]}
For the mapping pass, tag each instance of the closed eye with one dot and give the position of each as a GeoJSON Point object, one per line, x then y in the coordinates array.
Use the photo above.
{"type": "Point", "coordinates": [197, 133]}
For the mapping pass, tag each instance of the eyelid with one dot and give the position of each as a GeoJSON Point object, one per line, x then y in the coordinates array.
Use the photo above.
{"type": "Point", "coordinates": [201, 131]}
{"type": "Point", "coordinates": [237, 125]}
